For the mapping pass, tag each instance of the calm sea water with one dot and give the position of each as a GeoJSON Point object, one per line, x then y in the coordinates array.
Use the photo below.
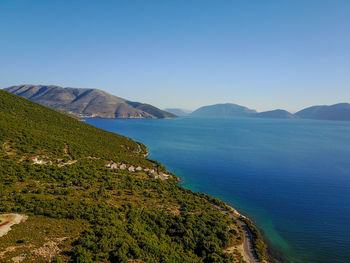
{"type": "Point", "coordinates": [292, 177]}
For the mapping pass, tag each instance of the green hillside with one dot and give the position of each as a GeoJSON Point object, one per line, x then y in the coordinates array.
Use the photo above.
{"type": "Point", "coordinates": [80, 211]}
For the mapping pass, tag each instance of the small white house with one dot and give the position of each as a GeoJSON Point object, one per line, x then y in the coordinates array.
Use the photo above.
{"type": "Point", "coordinates": [131, 169]}
{"type": "Point", "coordinates": [138, 168]}
{"type": "Point", "coordinates": [122, 166]}
{"type": "Point", "coordinates": [37, 161]}
{"type": "Point", "coordinates": [114, 166]}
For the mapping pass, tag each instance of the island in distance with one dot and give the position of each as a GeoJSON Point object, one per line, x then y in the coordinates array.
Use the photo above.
{"type": "Point", "coordinates": [178, 111]}
{"type": "Point", "coordinates": [277, 114]}
{"type": "Point", "coordinates": [87, 102]}
{"type": "Point", "coordinates": [230, 110]}
{"type": "Point", "coordinates": [339, 111]}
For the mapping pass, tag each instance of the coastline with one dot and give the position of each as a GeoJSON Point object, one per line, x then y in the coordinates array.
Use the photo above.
{"type": "Point", "coordinates": [271, 255]}
{"type": "Point", "coordinates": [247, 248]}
{"type": "Point", "coordinates": [167, 141]}
{"type": "Point", "coordinates": [248, 228]}
{"type": "Point", "coordinates": [254, 248]}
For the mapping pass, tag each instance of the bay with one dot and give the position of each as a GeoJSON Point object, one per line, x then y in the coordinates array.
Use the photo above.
{"type": "Point", "coordinates": [292, 177]}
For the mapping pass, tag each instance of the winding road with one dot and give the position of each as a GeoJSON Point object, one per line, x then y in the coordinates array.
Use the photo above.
{"type": "Point", "coordinates": [248, 244]}
{"type": "Point", "coordinates": [248, 250]}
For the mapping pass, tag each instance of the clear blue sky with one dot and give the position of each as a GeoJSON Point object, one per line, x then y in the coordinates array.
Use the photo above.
{"type": "Point", "coordinates": [261, 54]}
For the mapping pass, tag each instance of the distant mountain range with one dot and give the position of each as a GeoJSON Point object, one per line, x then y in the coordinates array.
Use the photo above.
{"type": "Point", "coordinates": [223, 110]}
{"type": "Point", "coordinates": [339, 111]}
{"type": "Point", "coordinates": [178, 111]}
{"type": "Point", "coordinates": [87, 102]}
{"type": "Point", "coordinates": [98, 103]}
{"type": "Point", "coordinates": [276, 114]}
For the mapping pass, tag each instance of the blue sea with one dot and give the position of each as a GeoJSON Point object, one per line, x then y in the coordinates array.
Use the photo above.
{"type": "Point", "coordinates": [292, 177]}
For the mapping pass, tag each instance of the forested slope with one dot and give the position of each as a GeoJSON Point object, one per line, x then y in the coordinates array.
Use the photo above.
{"type": "Point", "coordinates": [80, 211]}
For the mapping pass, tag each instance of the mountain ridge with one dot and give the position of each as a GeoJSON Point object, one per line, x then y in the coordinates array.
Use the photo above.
{"type": "Point", "coordinates": [223, 110]}
{"type": "Point", "coordinates": [339, 111]}
{"type": "Point", "coordinates": [87, 102]}
{"type": "Point", "coordinates": [277, 114]}
{"type": "Point", "coordinates": [98, 103]}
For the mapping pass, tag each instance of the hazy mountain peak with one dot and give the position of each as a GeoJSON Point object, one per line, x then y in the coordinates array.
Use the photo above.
{"type": "Point", "coordinates": [339, 111]}
{"type": "Point", "coordinates": [276, 114]}
{"type": "Point", "coordinates": [223, 110]}
{"type": "Point", "coordinates": [178, 111]}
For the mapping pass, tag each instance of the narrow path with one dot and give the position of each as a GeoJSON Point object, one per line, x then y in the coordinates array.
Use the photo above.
{"type": "Point", "coordinates": [66, 151]}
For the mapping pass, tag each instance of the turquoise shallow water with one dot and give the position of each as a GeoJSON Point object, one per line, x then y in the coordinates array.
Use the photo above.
{"type": "Point", "coordinates": [292, 177]}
